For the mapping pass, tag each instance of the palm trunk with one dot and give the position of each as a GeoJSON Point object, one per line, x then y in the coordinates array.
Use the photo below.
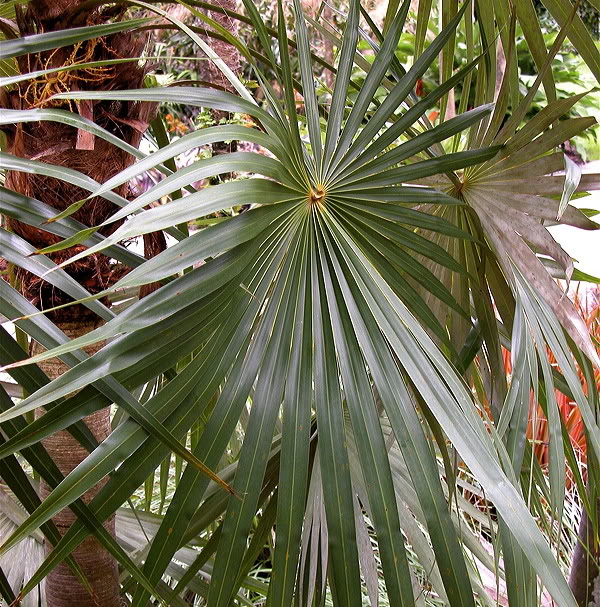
{"type": "Point", "coordinates": [63, 589]}
{"type": "Point", "coordinates": [585, 573]}
{"type": "Point", "coordinates": [63, 145]}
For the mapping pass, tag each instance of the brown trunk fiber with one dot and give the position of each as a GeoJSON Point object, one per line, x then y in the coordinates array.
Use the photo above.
{"type": "Point", "coordinates": [63, 145]}
{"type": "Point", "coordinates": [584, 580]}
{"type": "Point", "coordinates": [63, 589]}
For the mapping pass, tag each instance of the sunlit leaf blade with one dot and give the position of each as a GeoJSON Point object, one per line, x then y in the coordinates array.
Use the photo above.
{"type": "Point", "coordinates": [406, 426]}
{"type": "Point", "coordinates": [526, 531]}
{"type": "Point", "coordinates": [340, 91]}
{"type": "Point", "coordinates": [295, 444]}
{"type": "Point", "coordinates": [51, 40]}
{"type": "Point", "coordinates": [196, 205]}
{"type": "Point", "coordinates": [371, 447]}
{"type": "Point", "coordinates": [572, 178]}
{"type": "Point", "coordinates": [398, 95]}
{"type": "Point", "coordinates": [64, 117]}
{"type": "Point", "coordinates": [373, 80]}
{"type": "Point", "coordinates": [337, 488]}
{"type": "Point", "coordinates": [185, 143]}
{"type": "Point", "coordinates": [255, 449]}
{"type": "Point", "coordinates": [208, 51]}
{"type": "Point", "coordinates": [418, 144]}
{"type": "Point", "coordinates": [202, 97]}
{"type": "Point", "coordinates": [288, 82]}
{"type": "Point", "coordinates": [308, 89]}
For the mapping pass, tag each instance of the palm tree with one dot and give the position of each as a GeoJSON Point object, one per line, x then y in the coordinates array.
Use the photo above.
{"type": "Point", "coordinates": [64, 145]}
{"type": "Point", "coordinates": [335, 350]}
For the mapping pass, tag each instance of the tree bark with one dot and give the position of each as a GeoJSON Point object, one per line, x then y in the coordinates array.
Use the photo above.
{"type": "Point", "coordinates": [66, 146]}
{"type": "Point", "coordinates": [584, 579]}
{"type": "Point", "coordinates": [63, 589]}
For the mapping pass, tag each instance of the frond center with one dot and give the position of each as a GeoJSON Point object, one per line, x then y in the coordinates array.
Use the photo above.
{"type": "Point", "coordinates": [317, 196]}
